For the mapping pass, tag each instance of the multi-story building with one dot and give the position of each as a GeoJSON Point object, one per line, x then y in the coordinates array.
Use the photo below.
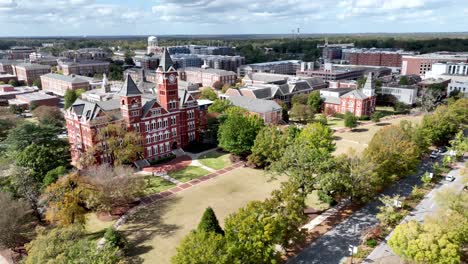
{"type": "Point", "coordinates": [30, 72]}
{"type": "Point", "coordinates": [275, 87]}
{"type": "Point", "coordinates": [359, 102]}
{"type": "Point", "coordinates": [7, 66]}
{"type": "Point", "coordinates": [87, 54]}
{"type": "Point", "coordinates": [420, 64]}
{"type": "Point", "coordinates": [86, 68]}
{"type": "Point", "coordinates": [19, 53]}
{"type": "Point", "coordinates": [28, 100]}
{"type": "Point", "coordinates": [8, 92]}
{"type": "Point", "coordinates": [404, 94]}
{"type": "Point", "coordinates": [268, 110]}
{"type": "Point", "coordinates": [138, 75]}
{"type": "Point", "coordinates": [446, 70]}
{"type": "Point", "coordinates": [279, 67]}
{"type": "Point", "coordinates": [333, 51]}
{"type": "Point", "coordinates": [331, 73]}
{"type": "Point", "coordinates": [58, 84]}
{"type": "Point", "coordinates": [375, 57]}
{"type": "Point", "coordinates": [41, 58]}
{"type": "Point", "coordinates": [222, 62]}
{"type": "Point", "coordinates": [166, 121]}
{"type": "Point", "coordinates": [186, 60]}
{"type": "Point", "coordinates": [207, 77]}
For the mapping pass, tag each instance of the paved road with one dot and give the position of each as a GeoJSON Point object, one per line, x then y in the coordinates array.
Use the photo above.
{"type": "Point", "coordinates": [332, 247]}
{"type": "Point", "coordinates": [383, 254]}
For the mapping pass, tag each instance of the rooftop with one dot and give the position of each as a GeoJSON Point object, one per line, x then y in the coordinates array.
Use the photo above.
{"type": "Point", "coordinates": [69, 78]}
{"type": "Point", "coordinates": [33, 66]}
{"type": "Point", "coordinates": [274, 63]}
{"type": "Point", "coordinates": [255, 105]}
{"type": "Point", "coordinates": [35, 96]}
{"type": "Point", "coordinates": [210, 70]}
{"type": "Point", "coordinates": [442, 55]}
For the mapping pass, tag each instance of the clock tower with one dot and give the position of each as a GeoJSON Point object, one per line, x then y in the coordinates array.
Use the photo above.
{"type": "Point", "coordinates": [167, 83]}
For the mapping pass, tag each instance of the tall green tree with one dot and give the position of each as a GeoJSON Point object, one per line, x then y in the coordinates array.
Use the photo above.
{"type": "Point", "coordinates": [48, 115]}
{"type": "Point", "coordinates": [238, 131]}
{"type": "Point", "coordinates": [202, 248]}
{"type": "Point", "coordinates": [209, 222]}
{"type": "Point", "coordinates": [208, 93]}
{"type": "Point", "coordinates": [71, 96]}
{"type": "Point", "coordinates": [15, 222]}
{"type": "Point", "coordinates": [301, 113]}
{"type": "Point", "coordinates": [219, 106]}
{"type": "Point", "coordinates": [307, 157]}
{"type": "Point", "coordinates": [314, 101]}
{"type": "Point", "coordinates": [268, 147]}
{"type": "Point", "coordinates": [350, 121]}
{"type": "Point", "coordinates": [394, 151]}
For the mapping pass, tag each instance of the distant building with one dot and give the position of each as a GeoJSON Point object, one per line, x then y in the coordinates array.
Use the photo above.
{"type": "Point", "coordinates": [420, 64]}
{"type": "Point", "coordinates": [19, 53]}
{"type": "Point", "coordinates": [342, 84]}
{"type": "Point", "coordinates": [461, 87]}
{"type": "Point", "coordinates": [446, 70]}
{"type": "Point", "coordinates": [331, 73]}
{"type": "Point", "coordinates": [8, 92]}
{"type": "Point", "coordinates": [58, 84]}
{"type": "Point", "coordinates": [6, 66]}
{"type": "Point", "coordinates": [186, 60]}
{"type": "Point", "coordinates": [27, 100]}
{"type": "Point", "coordinates": [359, 102]}
{"type": "Point", "coordinates": [375, 57]}
{"type": "Point", "coordinates": [87, 54]}
{"type": "Point", "coordinates": [279, 67]}
{"type": "Point", "coordinates": [207, 77]}
{"type": "Point", "coordinates": [30, 72]}
{"type": "Point", "coordinates": [5, 78]}
{"type": "Point", "coordinates": [44, 59]}
{"type": "Point", "coordinates": [87, 68]}
{"type": "Point", "coordinates": [139, 74]}
{"type": "Point", "coordinates": [268, 110]}
{"type": "Point", "coordinates": [333, 51]}
{"type": "Point", "coordinates": [404, 94]}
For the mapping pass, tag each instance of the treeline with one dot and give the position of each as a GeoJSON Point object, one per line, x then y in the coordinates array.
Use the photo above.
{"type": "Point", "coordinates": [263, 230]}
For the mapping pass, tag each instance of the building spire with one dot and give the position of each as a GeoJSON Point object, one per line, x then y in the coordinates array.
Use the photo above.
{"type": "Point", "coordinates": [166, 61]}
{"type": "Point", "coordinates": [369, 86]}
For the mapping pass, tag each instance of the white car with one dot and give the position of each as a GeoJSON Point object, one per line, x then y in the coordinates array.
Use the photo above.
{"type": "Point", "coordinates": [449, 178]}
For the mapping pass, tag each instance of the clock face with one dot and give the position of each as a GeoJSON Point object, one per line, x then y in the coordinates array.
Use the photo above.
{"type": "Point", "coordinates": [172, 78]}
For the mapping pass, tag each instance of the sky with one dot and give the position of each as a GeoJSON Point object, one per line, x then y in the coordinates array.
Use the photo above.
{"type": "Point", "coordinates": [191, 17]}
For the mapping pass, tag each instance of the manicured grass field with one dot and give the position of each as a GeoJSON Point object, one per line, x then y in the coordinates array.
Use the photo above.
{"type": "Point", "coordinates": [95, 225]}
{"type": "Point", "coordinates": [359, 137]}
{"type": "Point", "coordinates": [156, 184]}
{"type": "Point", "coordinates": [215, 160]}
{"type": "Point", "coordinates": [155, 232]}
{"type": "Point", "coordinates": [188, 173]}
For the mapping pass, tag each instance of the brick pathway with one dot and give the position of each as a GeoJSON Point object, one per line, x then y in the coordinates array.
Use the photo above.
{"type": "Point", "coordinates": [183, 186]}
{"type": "Point", "coordinates": [173, 165]}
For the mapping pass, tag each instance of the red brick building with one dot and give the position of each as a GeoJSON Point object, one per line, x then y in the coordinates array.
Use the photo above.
{"type": "Point", "coordinates": [167, 121]}
{"type": "Point", "coordinates": [359, 102]}
{"type": "Point", "coordinates": [374, 57]}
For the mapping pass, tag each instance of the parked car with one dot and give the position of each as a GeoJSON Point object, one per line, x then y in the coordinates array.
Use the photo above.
{"type": "Point", "coordinates": [449, 178]}
{"type": "Point", "coordinates": [434, 155]}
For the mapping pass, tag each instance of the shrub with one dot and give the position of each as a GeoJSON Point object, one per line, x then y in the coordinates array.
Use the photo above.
{"type": "Point", "coordinates": [417, 193]}
{"type": "Point", "coordinates": [115, 238]}
{"type": "Point", "coordinates": [376, 117]}
{"type": "Point", "coordinates": [371, 243]}
{"type": "Point", "coordinates": [364, 117]}
{"type": "Point", "coordinates": [163, 159]}
{"type": "Point", "coordinates": [325, 198]}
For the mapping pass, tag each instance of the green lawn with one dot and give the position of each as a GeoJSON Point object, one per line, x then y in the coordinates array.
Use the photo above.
{"type": "Point", "coordinates": [335, 122]}
{"type": "Point", "coordinates": [155, 231]}
{"type": "Point", "coordinates": [215, 160]}
{"type": "Point", "coordinates": [188, 173]}
{"type": "Point", "coordinates": [313, 201]}
{"type": "Point", "coordinates": [156, 184]}
{"type": "Point", "coordinates": [95, 225]}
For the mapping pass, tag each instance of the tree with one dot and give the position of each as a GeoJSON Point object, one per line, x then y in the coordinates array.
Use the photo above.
{"type": "Point", "coordinates": [400, 107]}
{"type": "Point", "coordinates": [26, 187]}
{"type": "Point", "coordinates": [16, 109]}
{"type": "Point", "coordinates": [376, 116]}
{"type": "Point", "coordinates": [394, 152]}
{"type": "Point", "coordinates": [238, 131]}
{"type": "Point", "coordinates": [431, 96]}
{"type": "Point", "coordinates": [124, 147]}
{"type": "Point", "coordinates": [202, 248]}
{"type": "Point", "coordinates": [5, 126]}
{"type": "Point", "coordinates": [307, 157]}
{"type": "Point", "coordinates": [13, 82]}
{"type": "Point", "coordinates": [27, 133]}
{"type": "Point", "coordinates": [389, 215]}
{"type": "Point", "coordinates": [217, 85]}
{"type": "Point", "coordinates": [66, 201]}
{"type": "Point", "coordinates": [71, 96]}
{"type": "Point", "coordinates": [404, 80]}
{"type": "Point", "coordinates": [40, 159]}
{"type": "Point", "coordinates": [15, 221]}
{"type": "Point", "coordinates": [300, 99]}
{"type": "Point", "coordinates": [219, 106]}
{"type": "Point", "coordinates": [115, 238]}
{"type": "Point", "coordinates": [417, 134]}
{"type": "Point", "coordinates": [459, 144]}
{"type": "Point", "coordinates": [251, 234]}
{"type": "Point", "coordinates": [49, 115]}
{"type": "Point", "coordinates": [112, 186]}
{"type": "Point", "coordinates": [208, 93]}
{"type": "Point", "coordinates": [68, 245]}
{"type": "Point", "coordinates": [268, 147]}
{"type": "Point", "coordinates": [353, 176]}
{"type": "Point", "coordinates": [301, 112]}
{"type": "Point", "coordinates": [53, 175]}
{"type": "Point", "coordinates": [209, 222]}
{"type": "Point", "coordinates": [314, 101]}
{"type": "Point", "coordinates": [37, 83]}
{"type": "Point", "coordinates": [350, 121]}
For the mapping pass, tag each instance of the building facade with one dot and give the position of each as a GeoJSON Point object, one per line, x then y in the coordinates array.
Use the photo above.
{"type": "Point", "coordinates": [58, 84]}
{"type": "Point", "coordinates": [30, 72]}
{"type": "Point", "coordinates": [456, 86]}
{"type": "Point", "coordinates": [19, 53]}
{"type": "Point", "coordinates": [168, 120]}
{"type": "Point", "coordinates": [279, 67]}
{"type": "Point", "coordinates": [207, 77]}
{"type": "Point", "coordinates": [407, 95]}
{"type": "Point", "coordinates": [268, 110]}
{"type": "Point", "coordinates": [420, 64]}
{"type": "Point", "coordinates": [87, 68]}
{"type": "Point", "coordinates": [359, 102]}
{"type": "Point", "coordinates": [375, 57]}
